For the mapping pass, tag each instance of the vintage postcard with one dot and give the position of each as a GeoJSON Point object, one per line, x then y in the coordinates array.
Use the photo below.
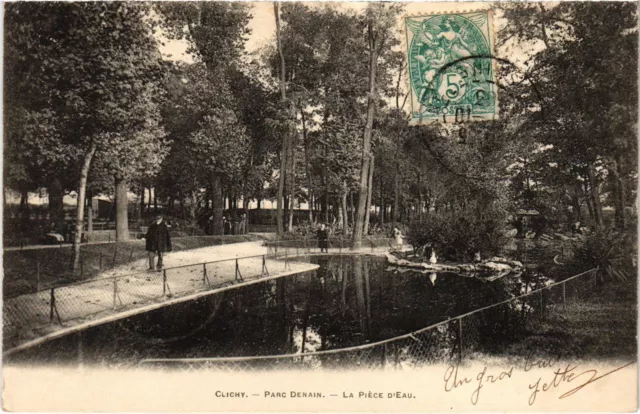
{"type": "Point", "coordinates": [320, 206]}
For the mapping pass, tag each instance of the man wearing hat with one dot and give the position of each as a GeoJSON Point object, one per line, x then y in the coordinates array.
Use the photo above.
{"type": "Point", "coordinates": [158, 241]}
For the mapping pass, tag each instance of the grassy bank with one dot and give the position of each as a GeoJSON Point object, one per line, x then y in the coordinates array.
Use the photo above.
{"type": "Point", "coordinates": [600, 326]}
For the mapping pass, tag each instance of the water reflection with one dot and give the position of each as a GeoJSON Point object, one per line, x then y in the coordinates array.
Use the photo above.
{"type": "Point", "coordinates": [349, 301]}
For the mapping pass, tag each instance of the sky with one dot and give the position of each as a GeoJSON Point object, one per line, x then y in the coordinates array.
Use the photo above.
{"type": "Point", "coordinates": [263, 26]}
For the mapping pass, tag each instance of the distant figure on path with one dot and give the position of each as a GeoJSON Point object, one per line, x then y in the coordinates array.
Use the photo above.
{"type": "Point", "coordinates": [158, 241]}
{"type": "Point", "coordinates": [243, 224]}
{"type": "Point", "coordinates": [226, 225]}
{"type": "Point", "coordinates": [397, 234]}
{"type": "Point", "coordinates": [323, 239]}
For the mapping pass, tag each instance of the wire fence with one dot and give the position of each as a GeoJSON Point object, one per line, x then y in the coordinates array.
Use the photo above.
{"type": "Point", "coordinates": [58, 305]}
{"type": "Point", "coordinates": [484, 330]}
{"type": "Point", "coordinates": [33, 270]}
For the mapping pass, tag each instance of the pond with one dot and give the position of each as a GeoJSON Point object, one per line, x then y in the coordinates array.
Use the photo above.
{"type": "Point", "coordinates": [349, 301]}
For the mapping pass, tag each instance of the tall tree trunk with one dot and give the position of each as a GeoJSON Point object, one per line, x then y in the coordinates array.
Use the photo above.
{"type": "Point", "coordinates": [307, 164]}
{"type": "Point", "coordinates": [155, 200]}
{"type": "Point", "coordinates": [352, 208]}
{"type": "Point", "coordinates": [141, 195]}
{"type": "Point", "coordinates": [341, 215]}
{"type": "Point", "coordinates": [325, 181]}
{"type": "Point", "coordinates": [90, 216]}
{"type": "Point", "coordinates": [56, 205]}
{"type": "Point", "coordinates": [283, 151]}
{"type": "Point", "coordinates": [217, 204]}
{"type": "Point", "coordinates": [587, 199]}
{"type": "Point", "coordinates": [193, 207]}
{"type": "Point", "coordinates": [396, 183]}
{"type": "Point", "coordinates": [122, 207]}
{"type": "Point", "coordinates": [245, 196]}
{"type": "Point", "coordinates": [345, 210]}
{"type": "Point", "coordinates": [369, 195]}
{"type": "Point", "coordinates": [396, 172]}
{"type": "Point", "coordinates": [383, 207]}
{"type": "Point", "coordinates": [575, 203]}
{"type": "Point", "coordinates": [292, 181]}
{"type": "Point", "coordinates": [82, 190]}
{"type": "Point", "coordinates": [595, 194]}
{"type": "Point", "coordinates": [368, 130]}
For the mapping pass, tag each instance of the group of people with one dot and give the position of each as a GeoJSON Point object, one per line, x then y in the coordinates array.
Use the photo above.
{"type": "Point", "coordinates": [233, 225]}
{"type": "Point", "coordinates": [237, 226]}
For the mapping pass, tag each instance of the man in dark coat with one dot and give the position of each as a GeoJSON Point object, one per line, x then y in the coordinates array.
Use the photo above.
{"type": "Point", "coordinates": [323, 239]}
{"type": "Point", "coordinates": [158, 241]}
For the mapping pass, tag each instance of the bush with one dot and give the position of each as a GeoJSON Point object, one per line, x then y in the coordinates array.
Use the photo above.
{"type": "Point", "coordinates": [611, 251]}
{"type": "Point", "coordinates": [458, 236]}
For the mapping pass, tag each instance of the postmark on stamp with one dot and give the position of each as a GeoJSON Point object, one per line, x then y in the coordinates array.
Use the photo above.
{"type": "Point", "coordinates": [450, 63]}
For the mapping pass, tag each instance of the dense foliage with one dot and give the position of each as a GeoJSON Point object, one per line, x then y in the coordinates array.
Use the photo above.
{"type": "Point", "coordinates": [318, 116]}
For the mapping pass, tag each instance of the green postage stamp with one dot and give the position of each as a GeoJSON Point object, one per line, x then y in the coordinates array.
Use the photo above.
{"type": "Point", "coordinates": [451, 71]}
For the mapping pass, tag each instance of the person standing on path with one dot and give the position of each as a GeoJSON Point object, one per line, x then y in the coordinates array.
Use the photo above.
{"type": "Point", "coordinates": [398, 236]}
{"type": "Point", "coordinates": [158, 241]}
{"type": "Point", "coordinates": [323, 239]}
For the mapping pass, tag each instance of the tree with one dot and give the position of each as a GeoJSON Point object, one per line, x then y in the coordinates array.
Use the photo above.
{"type": "Point", "coordinates": [133, 156]}
{"type": "Point", "coordinates": [216, 33]}
{"type": "Point", "coordinates": [95, 62]}
{"type": "Point", "coordinates": [380, 20]}
{"type": "Point", "coordinates": [588, 112]}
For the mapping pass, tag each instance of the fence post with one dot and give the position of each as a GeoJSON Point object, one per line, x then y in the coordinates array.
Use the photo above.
{"type": "Point", "coordinates": [460, 338]}
{"type": "Point", "coordinates": [164, 282]}
{"type": "Point", "coordinates": [115, 254]}
{"type": "Point", "coordinates": [238, 274]}
{"type": "Point", "coordinates": [204, 273]}
{"type": "Point", "coordinates": [264, 267]}
{"type": "Point", "coordinates": [52, 304]}
{"type": "Point", "coordinates": [54, 308]}
{"type": "Point", "coordinates": [38, 275]}
{"type": "Point", "coordinates": [115, 293]}
{"type": "Point", "coordinates": [81, 266]}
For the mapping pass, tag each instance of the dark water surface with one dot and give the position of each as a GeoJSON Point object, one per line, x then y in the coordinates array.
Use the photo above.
{"type": "Point", "coordinates": [348, 301]}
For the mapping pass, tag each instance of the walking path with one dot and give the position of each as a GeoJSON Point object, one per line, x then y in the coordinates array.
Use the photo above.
{"type": "Point", "coordinates": [129, 289]}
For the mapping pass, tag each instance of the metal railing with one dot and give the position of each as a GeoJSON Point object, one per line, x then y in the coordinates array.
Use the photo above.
{"type": "Point", "coordinates": [480, 331]}
{"type": "Point", "coordinates": [57, 305]}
